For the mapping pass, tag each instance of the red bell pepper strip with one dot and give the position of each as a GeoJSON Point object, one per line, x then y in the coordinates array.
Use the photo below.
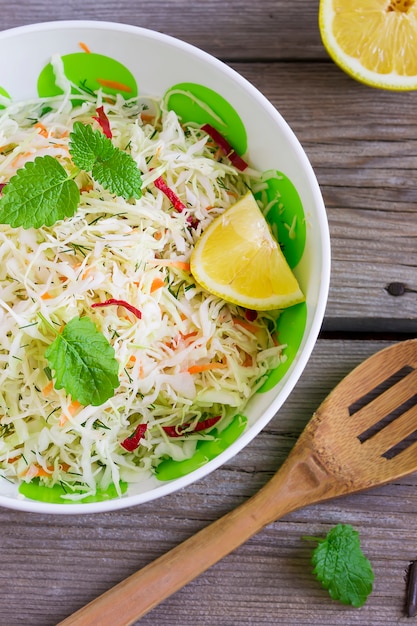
{"type": "Point", "coordinates": [103, 120]}
{"type": "Point", "coordinates": [178, 431]}
{"type": "Point", "coordinates": [2, 186]}
{"type": "Point", "coordinates": [237, 161]}
{"type": "Point", "coordinates": [193, 221]}
{"type": "Point", "coordinates": [132, 442]}
{"type": "Point", "coordinates": [170, 194]}
{"type": "Point", "coordinates": [251, 315]}
{"type": "Point", "coordinates": [225, 146]}
{"type": "Point", "coordinates": [123, 303]}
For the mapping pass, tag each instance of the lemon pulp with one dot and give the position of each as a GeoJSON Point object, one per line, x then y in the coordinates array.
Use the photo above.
{"type": "Point", "coordinates": [375, 41]}
{"type": "Point", "coordinates": [238, 259]}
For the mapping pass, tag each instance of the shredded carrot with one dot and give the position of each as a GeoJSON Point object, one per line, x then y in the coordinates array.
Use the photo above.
{"type": "Point", "coordinates": [19, 157]}
{"type": "Point", "coordinates": [248, 362]}
{"type": "Point", "coordinates": [72, 409]}
{"type": "Point", "coordinates": [147, 117]}
{"type": "Point", "coordinates": [158, 235]}
{"type": "Point", "coordinates": [196, 369]}
{"type": "Point", "coordinates": [47, 389]}
{"type": "Point", "coordinates": [46, 296]}
{"type": "Point", "coordinates": [85, 274]}
{"type": "Point", "coordinates": [44, 472]}
{"type": "Point", "coordinates": [35, 470]}
{"type": "Point", "coordinates": [233, 194]}
{"type": "Point", "coordinates": [132, 358]}
{"type": "Point", "coordinates": [157, 283]}
{"type": "Point", "coordinates": [61, 146]}
{"type": "Point", "coordinates": [275, 339]}
{"type": "Point", "coordinates": [14, 459]}
{"type": "Point", "coordinates": [252, 328]}
{"type": "Point", "coordinates": [84, 47]}
{"type": "Point", "coordinates": [218, 154]}
{"type": "Point", "coordinates": [181, 265]}
{"type": "Point", "coordinates": [189, 335]}
{"type": "Point", "coordinates": [113, 84]}
{"type": "Point", "coordinates": [42, 130]}
{"type": "Point", "coordinates": [141, 371]}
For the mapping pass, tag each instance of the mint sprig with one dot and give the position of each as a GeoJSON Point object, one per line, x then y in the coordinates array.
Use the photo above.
{"type": "Point", "coordinates": [39, 194]}
{"type": "Point", "coordinates": [341, 566]}
{"type": "Point", "coordinates": [114, 169]}
{"type": "Point", "coordinates": [83, 362]}
{"type": "Point", "coordinates": [42, 192]}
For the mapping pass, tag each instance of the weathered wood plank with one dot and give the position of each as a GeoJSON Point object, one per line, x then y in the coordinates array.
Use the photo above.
{"type": "Point", "coordinates": [51, 565]}
{"type": "Point", "coordinates": [363, 146]}
{"type": "Point", "coordinates": [234, 30]}
{"type": "Point", "coordinates": [365, 160]}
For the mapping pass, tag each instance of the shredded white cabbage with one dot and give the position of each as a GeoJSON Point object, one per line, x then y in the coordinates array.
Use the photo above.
{"type": "Point", "coordinates": [113, 248]}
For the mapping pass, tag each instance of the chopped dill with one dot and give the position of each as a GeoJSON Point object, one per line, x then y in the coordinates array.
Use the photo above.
{"type": "Point", "coordinates": [99, 424]}
{"type": "Point", "coordinates": [84, 87]}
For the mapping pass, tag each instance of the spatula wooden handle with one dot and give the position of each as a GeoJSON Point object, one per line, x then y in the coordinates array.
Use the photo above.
{"type": "Point", "coordinates": [299, 482]}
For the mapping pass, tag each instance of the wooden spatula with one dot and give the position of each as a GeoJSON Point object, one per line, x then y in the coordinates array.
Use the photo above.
{"type": "Point", "coordinates": [360, 437]}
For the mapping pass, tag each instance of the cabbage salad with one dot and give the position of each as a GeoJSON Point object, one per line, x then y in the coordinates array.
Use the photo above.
{"type": "Point", "coordinates": [117, 270]}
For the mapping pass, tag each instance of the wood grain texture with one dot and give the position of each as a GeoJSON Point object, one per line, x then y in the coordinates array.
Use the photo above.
{"type": "Point", "coordinates": [365, 166]}
{"type": "Point", "coordinates": [228, 30]}
{"type": "Point", "coordinates": [52, 565]}
{"type": "Point", "coordinates": [363, 146]}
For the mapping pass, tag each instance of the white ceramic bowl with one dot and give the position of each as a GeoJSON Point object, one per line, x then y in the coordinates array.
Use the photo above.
{"type": "Point", "coordinates": [158, 62]}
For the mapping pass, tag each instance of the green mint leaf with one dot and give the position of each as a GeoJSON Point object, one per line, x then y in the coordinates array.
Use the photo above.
{"type": "Point", "coordinates": [113, 168]}
{"type": "Point", "coordinates": [83, 362]}
{"type": "Point", "coordinates": [39, 194]}
{"type": "Point", "coordinates": [88, 146]}
{"type": "Point", "coordinates": [119, 174]}
{"type": "Point", "coordinates": [341, 566]}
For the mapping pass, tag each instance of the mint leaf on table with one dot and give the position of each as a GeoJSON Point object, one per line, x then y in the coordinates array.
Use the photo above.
{"type": "Point", "coordinates": [341, 566]}
{"type": "Point", "coordinates": [39, 194]}
{"type": "Point", "coordinates": [83, 362]}
{"type": "Point", "coordinates": [113, 168]}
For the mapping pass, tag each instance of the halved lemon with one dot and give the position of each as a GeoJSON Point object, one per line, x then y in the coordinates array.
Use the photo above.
{"type": "Point", "coordinates": [238, 259]}
{"type": "Point", "coordinates": [375, 41]}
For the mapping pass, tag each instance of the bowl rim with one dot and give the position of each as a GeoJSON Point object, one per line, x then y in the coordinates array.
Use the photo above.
{"type": "Point", "coordinates": [304, 352]}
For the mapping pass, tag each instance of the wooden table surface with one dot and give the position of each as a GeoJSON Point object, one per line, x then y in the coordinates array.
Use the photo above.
{"type": "Point", "coordinates": [362, 144]}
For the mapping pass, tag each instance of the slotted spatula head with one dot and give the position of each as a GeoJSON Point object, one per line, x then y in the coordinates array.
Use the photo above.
{"type": "Point", "coordinates": [365, 431]}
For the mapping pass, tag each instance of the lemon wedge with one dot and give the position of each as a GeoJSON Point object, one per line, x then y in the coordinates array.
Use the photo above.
{"type": "Point", "coordinates": [238, 259]}
{"type": "Point", "coordinates": [374, 41]}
